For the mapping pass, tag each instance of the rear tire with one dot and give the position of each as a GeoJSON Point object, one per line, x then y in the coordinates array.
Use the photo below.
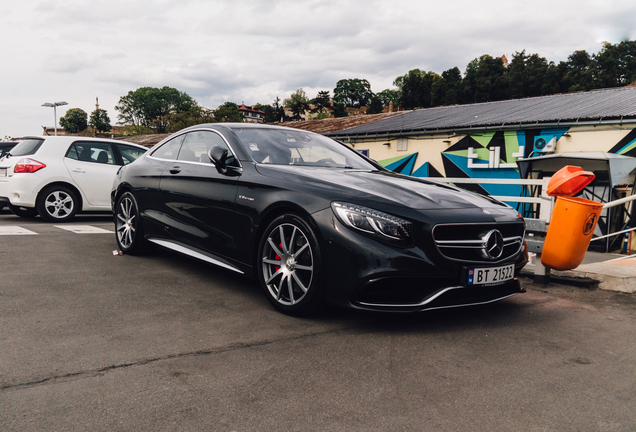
{"type": "Point", "coordinates": [57, 204]}
{"type": "Point", "coordinates": [129, 230]}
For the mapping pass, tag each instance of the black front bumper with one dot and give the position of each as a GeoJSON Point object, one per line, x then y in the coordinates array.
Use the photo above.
{"type": "Point", "coordinates": [363, 273]}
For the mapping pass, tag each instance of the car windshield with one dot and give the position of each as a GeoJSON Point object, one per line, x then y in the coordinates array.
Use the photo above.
{"type": "Point", "coordinates": [284, 147]}
{"type": "Point", "coordinates": [27, 147]}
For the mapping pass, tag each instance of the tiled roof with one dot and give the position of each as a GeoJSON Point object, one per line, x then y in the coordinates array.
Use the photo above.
{"type": "Point", "coordinates": [244, 107]}
{"type": "Point", "coordinates": [145, 140]}
{"type": "Point", "coordinates": [599, 105]}
{"type": "Point", "coordinates": [337, 124]}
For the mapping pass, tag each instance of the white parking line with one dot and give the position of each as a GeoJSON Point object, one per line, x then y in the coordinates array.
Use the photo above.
{"type": "Point", "coordinates": [15, 230]}
{"type": "Point", "coordinates": [84, 229]}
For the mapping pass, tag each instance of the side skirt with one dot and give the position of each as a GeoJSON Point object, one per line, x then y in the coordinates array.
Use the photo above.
{"type": "Point", "coordinates": [203, 256]}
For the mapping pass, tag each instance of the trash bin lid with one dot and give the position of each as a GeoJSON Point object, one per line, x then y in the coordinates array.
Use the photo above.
{"type": "Point", "coordinates": [568, 181]}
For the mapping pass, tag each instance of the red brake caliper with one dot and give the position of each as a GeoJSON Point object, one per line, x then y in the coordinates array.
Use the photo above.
{"type": "Point", "coordinates": [276, 268]}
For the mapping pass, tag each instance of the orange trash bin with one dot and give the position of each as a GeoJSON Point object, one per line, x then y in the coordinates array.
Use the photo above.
{"type": "Point", "coordinates": [569, 233]}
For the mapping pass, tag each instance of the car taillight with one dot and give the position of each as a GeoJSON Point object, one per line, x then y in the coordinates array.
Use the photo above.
{"type": "Point", "coordinates": [28, 166]}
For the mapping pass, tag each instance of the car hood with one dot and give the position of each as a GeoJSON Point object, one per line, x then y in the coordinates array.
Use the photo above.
{"type": "Point", "coordinates": [366, 186]}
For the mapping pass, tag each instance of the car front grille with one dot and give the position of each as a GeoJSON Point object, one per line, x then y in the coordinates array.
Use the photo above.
{"type": "Point", "coordinates": [468, 242]}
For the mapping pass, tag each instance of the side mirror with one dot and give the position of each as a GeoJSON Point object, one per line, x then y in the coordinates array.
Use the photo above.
{"type": "Point", "coordinates": [218, 155]}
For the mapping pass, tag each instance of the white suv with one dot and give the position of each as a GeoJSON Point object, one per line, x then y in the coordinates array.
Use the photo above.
{"type": "Point", "coordinates": [56, 177]}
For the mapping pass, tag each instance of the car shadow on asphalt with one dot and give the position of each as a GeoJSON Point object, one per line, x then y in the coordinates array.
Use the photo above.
{"type": "Point", "coordinates": [493, 314]}
{"type": "Point", "coordinates": [489, 315]}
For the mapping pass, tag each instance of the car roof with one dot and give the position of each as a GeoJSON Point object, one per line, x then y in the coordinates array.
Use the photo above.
{"type": "Point", "coordinates": [241, 126]}
{"type": "Point", "coordinates": [71, 139]}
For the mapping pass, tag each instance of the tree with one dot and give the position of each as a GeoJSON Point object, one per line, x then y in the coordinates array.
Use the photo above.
{"type": "Point", "coordinates": [150, 107]}
{"type": "Point", "coordinates": [389, 95]}
{"type": "Point", "coordinates": [415, 88]}
{"type": "Point", "coordinates": [615, 65]}
{"type": "Point", "coordinates": [526, 75]}
{"type": "Point", "coordinates": [322, 102]}
{"type": "Point", "coordinates": [194, 116]}
{"type": "Point", "coordinates": [626, 59]}
{"type": "Point", "coordinates": [297, 103]}
{"type": "Point", "coordinates": [339, 110]}
{"type": "Point", "coordinates": [375, 106]}
{"type": "Point", "coordinates": [485, 80]}
{"type": "Point", "coordinates": [580, 71]}
{"type": "Point", "coordinates": [75, 120]}
{"type": "Point", "coordinates": [454, 86]}
{"type": "Point", "coordinates": [516, 74]}
{"type": "Point", "coordinates": [228, 112]}
{"type": "Point", "coordinates": [100, 121]}
{"type": "Point", "coordinates": [439, 88]}
{"type": "Point", "coordinates": [274, 113]}
{"type": "Point", "coordinates": [556, 79]}
{"type": "Point", "coordinates": [353, 92]}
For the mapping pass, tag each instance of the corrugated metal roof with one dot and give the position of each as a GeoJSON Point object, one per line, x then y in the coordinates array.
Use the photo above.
{"type": "Point", "coordinates": [618, 103]}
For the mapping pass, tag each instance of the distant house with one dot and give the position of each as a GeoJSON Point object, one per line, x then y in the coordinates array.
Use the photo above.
{"type": "Point", "coordinates": [251, 115]}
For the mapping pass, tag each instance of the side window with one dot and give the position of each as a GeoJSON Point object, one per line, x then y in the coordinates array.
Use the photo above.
{"type": "Point", "coordinates": [129, 153]}
{"type": "Point", "coordinates": [169, 150]}
{"type": "Point", "coordinates": [72, 153]}
{"type": "Point", "coordinates": [196, 146]}
{"type": "Point", "coordinates": [87, 151]}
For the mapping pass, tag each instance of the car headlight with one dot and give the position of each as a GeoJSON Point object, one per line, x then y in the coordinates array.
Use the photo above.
{"type": "Point", "coordinates": [374, 223]}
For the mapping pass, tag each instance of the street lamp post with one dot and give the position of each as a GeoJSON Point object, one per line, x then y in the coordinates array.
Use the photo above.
{"type": "Point", "coordinates": [54, 105]}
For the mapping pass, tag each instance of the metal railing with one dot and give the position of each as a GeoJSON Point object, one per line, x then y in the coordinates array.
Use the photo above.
{"type": "Point", "coordinates": [543, 201]}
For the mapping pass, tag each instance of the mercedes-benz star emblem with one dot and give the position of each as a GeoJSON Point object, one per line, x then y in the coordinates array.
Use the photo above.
{"type": "Point", "coordinates": [494, 244]}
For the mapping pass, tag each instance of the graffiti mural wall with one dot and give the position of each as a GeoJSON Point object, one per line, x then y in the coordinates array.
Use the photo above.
{"type": "Point", "coordinates": [494, 154]}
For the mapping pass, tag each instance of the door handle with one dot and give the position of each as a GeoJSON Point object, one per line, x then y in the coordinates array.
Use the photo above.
{"type": "Point", "coordinates": [175, 170]}
{"type": "Point", "coordinates": [79, 171]}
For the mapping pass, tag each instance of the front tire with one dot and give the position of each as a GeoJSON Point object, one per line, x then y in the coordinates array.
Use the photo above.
{"type": "Point", "coordinates": [128, 227]}
{"type": "Point", "coordinates": [57, 204]}
{"type": "Point", "coordinates": [289, 266]}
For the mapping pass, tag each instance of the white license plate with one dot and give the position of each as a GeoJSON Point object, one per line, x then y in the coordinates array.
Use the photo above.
{"type": "Point", "coordinates": [491, 275]}
{"type": "Point", "coordinates": [3, 172]}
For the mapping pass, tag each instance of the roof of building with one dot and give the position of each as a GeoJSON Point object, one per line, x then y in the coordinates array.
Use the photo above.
{"type": "Point", "coordinates": [337, 124]}
{"type": "Point", "coordinates": [600, 106]}
{"type": "Point", "coordinates": [145, 140]}
{"type": "Point", "coordinates": [247, 108]}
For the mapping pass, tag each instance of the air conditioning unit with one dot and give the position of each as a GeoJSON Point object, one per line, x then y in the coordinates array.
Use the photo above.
{"type": "Point", "coordinates": [545, 144]}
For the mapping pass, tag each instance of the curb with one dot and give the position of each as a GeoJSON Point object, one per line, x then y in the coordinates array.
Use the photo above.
{"type": "Point", "coordinates": [565, 279]}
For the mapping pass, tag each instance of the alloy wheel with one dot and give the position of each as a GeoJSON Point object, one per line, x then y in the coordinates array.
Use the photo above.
{"type": "Point", "coordinates": [126, 222]}
{"type": "Point", "coordinates": [59, 204]}
{"type": "Point", "coordinates": [288, 264]}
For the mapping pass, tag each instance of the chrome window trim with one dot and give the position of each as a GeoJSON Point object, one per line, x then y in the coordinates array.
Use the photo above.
{"type": "Point", "coordinates": [151, 155]}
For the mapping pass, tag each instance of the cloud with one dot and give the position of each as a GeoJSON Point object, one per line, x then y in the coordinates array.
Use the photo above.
{"type": "Point", "coordinates": [253, 51]}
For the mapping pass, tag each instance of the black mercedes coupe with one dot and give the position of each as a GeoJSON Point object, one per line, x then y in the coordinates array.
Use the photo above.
{"type": "Point", "coordinates": [316, 222]}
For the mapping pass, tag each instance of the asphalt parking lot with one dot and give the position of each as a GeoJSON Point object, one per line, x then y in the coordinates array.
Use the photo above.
{"type": "Point", "coordinates": [102, 342]}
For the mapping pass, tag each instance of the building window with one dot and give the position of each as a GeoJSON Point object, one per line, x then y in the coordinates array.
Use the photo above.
{"type": "Point", "coordinates": [401, 144]}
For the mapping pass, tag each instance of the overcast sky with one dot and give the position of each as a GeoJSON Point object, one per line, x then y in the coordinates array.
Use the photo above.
{"type": "Point", "coordinates": [253, 51]}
